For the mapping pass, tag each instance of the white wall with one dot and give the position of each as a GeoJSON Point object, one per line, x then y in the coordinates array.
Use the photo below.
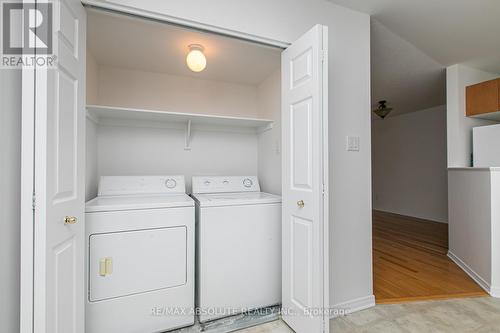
{"type": "Point", "coordinates": [409, 164]}
{"type": "Point", "coordinates": [474, 232]}
{"type": "Point", "coordinates": [91, 168]}
{"type": "Point", "coordinates": [495, 234]}
{"type": "Point", "coordinates": [10, 182]}
{"type": "Point", "coordinates": [160, 151]}
{"type": "Point", "coordinates": [269, 107]}
{"type": "Point", "coordinates": [459, 127]}
{"type": "Point", "coordinates": [350, 172]}
{"type": "Point", "coordinates": [159, 91]}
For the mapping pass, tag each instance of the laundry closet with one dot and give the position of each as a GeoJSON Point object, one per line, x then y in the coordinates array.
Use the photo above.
{"type": "Point", "coordinates": [153, 120]}
{"type": "Point", "coordinates": [149, 114]}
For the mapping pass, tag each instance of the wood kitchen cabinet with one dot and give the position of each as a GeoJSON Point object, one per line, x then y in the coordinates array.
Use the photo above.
{"type": "Point", "coordinates": [483, 100]}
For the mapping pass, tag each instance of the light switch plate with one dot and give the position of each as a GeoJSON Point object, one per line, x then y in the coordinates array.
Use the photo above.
{"type": "Point", "coordinates": [352, 143]}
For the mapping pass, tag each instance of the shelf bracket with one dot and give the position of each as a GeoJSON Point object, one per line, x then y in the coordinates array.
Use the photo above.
{"type": "Point", "coordinates": [188, 136]}
{"type": "Point", "coordinates": [265, 128]}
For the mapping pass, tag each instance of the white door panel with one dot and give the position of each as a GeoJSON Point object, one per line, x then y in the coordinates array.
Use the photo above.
{"type": "Point", "coordinates": [58, 282]}
{"type": "Point", "coordinates": [303, 107]}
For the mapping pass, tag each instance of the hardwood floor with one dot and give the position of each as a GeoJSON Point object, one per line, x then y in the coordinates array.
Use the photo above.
{"type": "Point", "coordinates": [410, 262]}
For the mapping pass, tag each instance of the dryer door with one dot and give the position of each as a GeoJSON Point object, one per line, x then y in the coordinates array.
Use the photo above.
{"type": "Point", "coordinates": [131, 262]}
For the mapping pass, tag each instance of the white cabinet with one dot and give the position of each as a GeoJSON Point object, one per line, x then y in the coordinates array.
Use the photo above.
{"type": "Point", "coordinates": [486, 146]}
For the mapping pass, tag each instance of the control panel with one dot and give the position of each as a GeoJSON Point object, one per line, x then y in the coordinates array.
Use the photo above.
{"type": "Point", "coordinates": [123, 185]}
{"type": "Point", "coordinates": [221, 184]}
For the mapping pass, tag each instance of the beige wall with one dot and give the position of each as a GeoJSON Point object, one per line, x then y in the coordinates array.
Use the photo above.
{"type": "Point", "coordinates": [92, 79]}
{"type": "Point", "coordinates": [160, 91]}
{"type": "Point", "coordinates": [118, 150]}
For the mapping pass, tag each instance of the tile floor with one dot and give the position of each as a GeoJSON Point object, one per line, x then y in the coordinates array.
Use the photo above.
{"type": "Point", "coordinates": [458, 315]}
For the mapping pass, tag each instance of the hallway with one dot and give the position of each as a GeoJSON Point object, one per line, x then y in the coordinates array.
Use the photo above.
{"type": "Point", "coordinates": [410, 262]}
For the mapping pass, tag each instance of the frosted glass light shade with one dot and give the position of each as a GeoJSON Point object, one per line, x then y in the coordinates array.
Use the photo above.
{"type": "Point", "coordinates": [195, 59]}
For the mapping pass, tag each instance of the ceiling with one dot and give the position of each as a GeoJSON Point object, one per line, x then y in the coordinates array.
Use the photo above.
{"type": "Point", "coordinates": [413, 41]}
{"type": "Point", "coordinates": [449, 31]}
{"type": "Point", "coordinates": [131, 43]}
{"type": "Point", "coordinates": [403, 75]}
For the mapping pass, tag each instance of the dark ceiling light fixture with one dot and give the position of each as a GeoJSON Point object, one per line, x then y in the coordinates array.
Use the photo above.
{"type": "Point", "coordinates": [382, 110]}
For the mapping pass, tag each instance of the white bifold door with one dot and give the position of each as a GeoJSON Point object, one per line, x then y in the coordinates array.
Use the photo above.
{"type": "Point", "coordinates": [58, 118]}
{"type": "Point", "coordinates": [305, 221]}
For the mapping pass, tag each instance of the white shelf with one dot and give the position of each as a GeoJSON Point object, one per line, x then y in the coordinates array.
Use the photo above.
{"type": "Point", "coordinates": [120, 115]}
{"type": "Point", "coordinates": [109, 113]}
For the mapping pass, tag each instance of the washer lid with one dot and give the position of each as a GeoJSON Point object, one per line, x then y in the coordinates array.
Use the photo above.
{"type": "Point", "coordinates": [133, 202]}
{"type": "Point", "coordinates": [236, 199]}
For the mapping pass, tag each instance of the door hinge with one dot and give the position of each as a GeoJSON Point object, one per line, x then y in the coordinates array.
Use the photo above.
{"type": "Point", "coordinates": [324, 55]}
{"type": "Point", "coordinates": [33, 201]}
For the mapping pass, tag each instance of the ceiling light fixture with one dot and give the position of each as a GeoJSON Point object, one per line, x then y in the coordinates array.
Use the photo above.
{"type": "Point", "coordinates": [195, 59]}
{"type": "Point", "coordinates": [382, 110]}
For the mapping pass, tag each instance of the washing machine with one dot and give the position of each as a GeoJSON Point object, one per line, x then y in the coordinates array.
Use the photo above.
{"type": "Point", "coordinates": [140, 255]}
{"type": "Point", "coordinates": [238, 246]}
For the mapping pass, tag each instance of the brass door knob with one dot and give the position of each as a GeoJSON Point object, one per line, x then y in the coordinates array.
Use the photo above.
{"type": "Point", "coordinates": [301, 203]}
{"type": "Point", "coordinates": [70, 220]}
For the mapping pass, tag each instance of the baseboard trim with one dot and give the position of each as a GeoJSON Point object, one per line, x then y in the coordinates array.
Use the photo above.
{"type": "Point", "coordinates": [474, 276]}
{"type": "Point", "coordinates": [406, 216]}
{"type": "Point", "coordinates": [495, 292]}
{"type": "Point", "coordinates": [354, 305]}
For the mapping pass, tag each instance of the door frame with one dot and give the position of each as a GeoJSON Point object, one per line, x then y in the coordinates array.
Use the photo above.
{"type": "Point", "coordinates": [27, 200]}
{"type": "Point", "coordinates": [28, 137]}
{"type": "Point", "coordinates": [164, 18]}
{"type": "Point", "coordinates": [326, 185]}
